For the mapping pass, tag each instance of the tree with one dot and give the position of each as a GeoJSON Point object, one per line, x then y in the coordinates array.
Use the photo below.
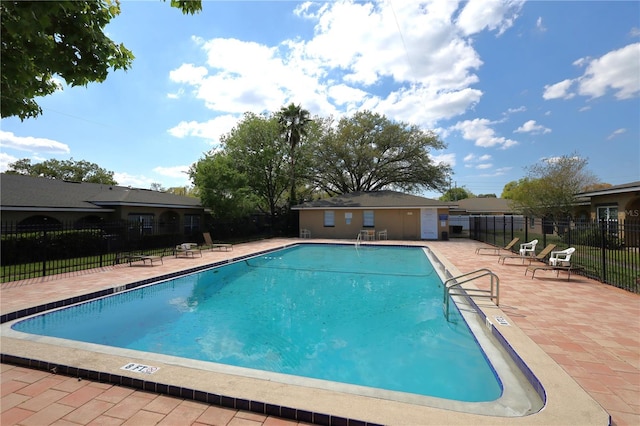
{"type": "Point", "coordinates": [456, 194]}
{"type": "Point", "coordinates": [550, 187]}
{"type": "Point", "coordinates": [250, 173]}
{"type": "Point", "coordinates": [222, 187]}
{"type": "Point", "coordinates": [294, 121]}
{"type": "Point", "coordinates": [43, 39]}
{"type": "Point", "coordinates": [75, 171]}
{"type": "Point", "coordinates": [369, 152]}
{"type": "Point", "coordinates": [156, 186]}
{"type": "Point", "coordinates": [508, 192]}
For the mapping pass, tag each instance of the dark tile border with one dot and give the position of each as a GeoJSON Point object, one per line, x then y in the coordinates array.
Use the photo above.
{"type": "Point", "coordinates": [184, 393]}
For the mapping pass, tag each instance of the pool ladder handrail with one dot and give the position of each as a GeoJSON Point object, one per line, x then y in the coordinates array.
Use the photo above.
{"type": "Point", "coordinates": [358, 240]}
{"type": "Point", "coordinates": [456, 289]}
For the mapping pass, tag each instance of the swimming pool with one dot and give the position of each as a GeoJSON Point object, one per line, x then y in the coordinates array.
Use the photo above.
{"type": "Point", "coordinates": [404, 328]}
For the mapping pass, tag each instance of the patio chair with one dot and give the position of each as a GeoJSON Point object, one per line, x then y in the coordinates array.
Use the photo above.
{"type": "Point", "coordinates": [208, 243]}
{"type": "Point", "coordinates": [561, 258]}
{"type": "Point", "coordinates": [528, 249]}
{"type": "Point", "coordinates": [496, 250]}
{"type": "Point", "coordinates": [558, 261]}
{"type": "Point", "coordinates": [539, 257]}
{"type": "Point", "coordinates": [382, 235]}
{"type": "Point", "coordinates": [187, 250]}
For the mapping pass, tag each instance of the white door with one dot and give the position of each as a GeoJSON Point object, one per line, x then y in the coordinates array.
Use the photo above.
{"type": "Point", "coordinates": [429, 224]}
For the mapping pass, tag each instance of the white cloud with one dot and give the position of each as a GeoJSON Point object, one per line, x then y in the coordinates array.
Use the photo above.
{"type": "Point", "coordinates": [478, 15]}
{"type": "Point", "coordinates": [539, 25]}
{"type": "Point", "coordinates": [180, 172]}
{"type": "Point", "coordinates": [558, 90]}
{"type": "Point", "coordinates": [616, 132]}
{"type": "Point", "coordinates": [447, 159]}
{"type": "Point", "coordinates": [140, 181]}
{"type": "Point", "coordinates": [473, 158]}
{"type": "Point", "coordinates": [29, 143]}
{"type": "Point", "coordinates": [514, 110]}
{"type": "Point", "coordinates": [484, 166]}
{"type": "Point", "coordinates": [532, 127]}
{"type": "Point", "coordinates": [479, 131]}
{"type": "Point", "coordinates": [5, 160]}
{"type": "Point", "coordinates": [211, 130]}
{"type": "Point", "coordinates": [188, 73]}
{"type": "Point", "coordinates": [415, 48]}
{"type": "Point", "coordinates": [635, 32]}
{"type": "Point", "coordinates": [618, 70]}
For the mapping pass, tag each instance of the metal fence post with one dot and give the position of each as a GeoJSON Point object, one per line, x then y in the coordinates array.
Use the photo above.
{"type": "Point", "coordinates": [603, 249]}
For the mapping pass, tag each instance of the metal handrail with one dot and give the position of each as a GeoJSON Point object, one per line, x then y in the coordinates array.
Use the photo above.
{"type": "Point", "coordinates": [449, 289]}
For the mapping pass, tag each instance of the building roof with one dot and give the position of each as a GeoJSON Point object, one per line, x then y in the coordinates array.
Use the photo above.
{"type": "Point", "coordinates": [616, 189]}
{"type": "Point", "coordinates": [373, 199]}
{"type": "Point", "coordinates": [18, 192]}
{"type": "Point", "coordinates": [488, 205]}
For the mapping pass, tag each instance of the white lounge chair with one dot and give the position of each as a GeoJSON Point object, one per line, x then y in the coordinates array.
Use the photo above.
{"type": "Point", "coordinates": [561, 258]}
{"type": "Point", "coordinates": [528, 249]}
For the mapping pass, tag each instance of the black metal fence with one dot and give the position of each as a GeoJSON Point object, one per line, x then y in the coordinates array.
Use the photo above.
{"type": "Point", "coordinates": [29, 251]}
{"type": "Point", "coordinates": [608, 251]}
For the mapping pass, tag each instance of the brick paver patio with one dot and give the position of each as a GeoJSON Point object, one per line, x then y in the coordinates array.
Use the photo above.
{"type": "Point", "coordinates": [590, 329]}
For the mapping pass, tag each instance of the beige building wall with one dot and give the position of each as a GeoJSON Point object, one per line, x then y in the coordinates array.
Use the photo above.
{"type": "Point", "coordinates": [400, 224]}
{"type": "Point", "coordinates": [628, 205]}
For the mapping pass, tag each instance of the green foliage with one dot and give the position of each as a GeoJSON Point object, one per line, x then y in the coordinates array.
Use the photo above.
{"type": "Point", "coordinates": [509, 190]}
{"type": "Point", "coordinates": [187, 6]}
{"type": "Point", "coordinates": [249, 174]}
{"type": "Point", "coordinates": [369, 152]}
{"type": "Point", "coordinates": [549, 190]}
{"type": "Point", "coordinates": [222, 187]}
{"type": "Point", "coordinates": [42, 40]}
{"type": "Point", "coordinates": [591, 235]}
{"type": "Point", "coordinates": [58, 244]}
{"type": "Point", "coordinates": [70, 170]}
{"type": "Point", "coordinates": [294, 121]}
{"type": "Point", "coordinates": [456, 194]}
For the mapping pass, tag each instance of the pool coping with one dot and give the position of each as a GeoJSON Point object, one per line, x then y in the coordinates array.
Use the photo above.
{"type": "Point", "coordinates": [307, 404]}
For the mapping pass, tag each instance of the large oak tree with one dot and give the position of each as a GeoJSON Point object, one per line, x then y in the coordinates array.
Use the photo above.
{"type": "Point", "coordinates": [369, 152]}
{"type": "Point", "coordinates": [71, 170]}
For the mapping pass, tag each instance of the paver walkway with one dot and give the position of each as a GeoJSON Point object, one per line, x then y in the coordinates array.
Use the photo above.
{"type": "Point", "coordinates": [590, 329]}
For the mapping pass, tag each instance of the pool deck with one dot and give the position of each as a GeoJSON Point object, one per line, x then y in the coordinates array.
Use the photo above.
{"type": "Point", "coordinates": [583, 328]}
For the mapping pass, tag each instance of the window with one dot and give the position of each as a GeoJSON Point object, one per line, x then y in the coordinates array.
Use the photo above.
{"type": "Point", "coordinates": [367, 219]}
{"type": "Point", "coordinates": [607, 213]}
{"type": "Point", "coordinates": [532, 221]}
{"type": "Point", "coordinates": [144, 223]}
{"type": "Point", "coordinates": [191, 223]}
{"type": "Point", "coordinates": [329, 218]}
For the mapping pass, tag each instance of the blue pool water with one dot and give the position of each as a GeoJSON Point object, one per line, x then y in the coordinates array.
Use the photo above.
{"type": "Point", "coordinates": [370, 316]}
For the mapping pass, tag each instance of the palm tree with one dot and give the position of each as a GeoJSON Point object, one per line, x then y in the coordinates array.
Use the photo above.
{"type": "Point", "coordinates": [293, 120]}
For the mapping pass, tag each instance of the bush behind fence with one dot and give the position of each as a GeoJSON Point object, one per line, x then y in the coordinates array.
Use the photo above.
{"type": "Point", "coordinates": [608, 251]}
{"type": "Point", "coordinates": [30, 251]}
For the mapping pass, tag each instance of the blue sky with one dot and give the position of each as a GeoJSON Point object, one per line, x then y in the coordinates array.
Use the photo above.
{"type": "Point", "coordinates": [505, 84]}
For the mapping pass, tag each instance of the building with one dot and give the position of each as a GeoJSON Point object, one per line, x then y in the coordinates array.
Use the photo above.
{"type": "Point", "coordinates": [27, 201]}
{"type": "Point", "coordinates": [618, 202]}
{"type": "Point", "coordinates": [403, 216]}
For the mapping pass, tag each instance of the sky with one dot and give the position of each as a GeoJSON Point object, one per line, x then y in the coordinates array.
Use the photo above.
{"type": "Point", "coordinates": [505, 84]}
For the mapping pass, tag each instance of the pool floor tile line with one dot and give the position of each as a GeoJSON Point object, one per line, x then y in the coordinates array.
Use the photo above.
{"type": "Point", "coordinates": [590, 329]}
